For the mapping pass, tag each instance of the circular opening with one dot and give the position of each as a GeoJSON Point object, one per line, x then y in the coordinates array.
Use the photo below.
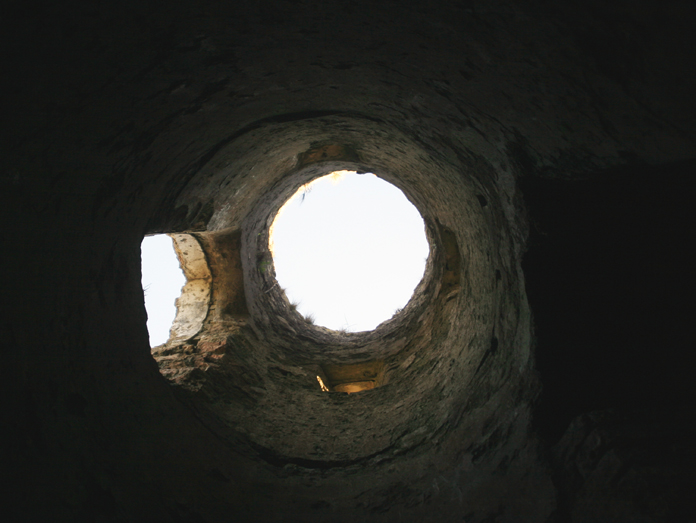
{"type": "Point", "coordinates": [162, 280]}
{"type": "Point", "coordinates": [349, 249]}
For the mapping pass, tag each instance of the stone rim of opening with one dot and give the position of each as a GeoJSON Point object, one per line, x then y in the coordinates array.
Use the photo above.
{"type": "Point", "coordinates": [267, 307]}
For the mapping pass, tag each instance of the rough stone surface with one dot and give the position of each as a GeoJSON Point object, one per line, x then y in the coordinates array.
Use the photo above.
{"type": "Point", "coordinates": [542, 142]}
{"type": "Point", "coordinates": [625, 467]}
{"type": "Point", "coordinates": [193, 304]}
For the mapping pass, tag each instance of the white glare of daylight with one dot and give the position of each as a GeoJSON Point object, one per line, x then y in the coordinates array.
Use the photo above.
{"type": "Point", "coordinates": [349, 250]}
{"type": "Point", "coordinates": [162, 280]}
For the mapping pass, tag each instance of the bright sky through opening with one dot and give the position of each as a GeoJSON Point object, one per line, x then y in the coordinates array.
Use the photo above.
{"type": "Point", "coordinates": [162, 280]}
{"type": "Point", "coordinates": [349, 249]}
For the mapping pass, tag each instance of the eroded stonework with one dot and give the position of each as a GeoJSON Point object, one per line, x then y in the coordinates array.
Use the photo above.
{"type": "Point", "coordinates": [199, 119]}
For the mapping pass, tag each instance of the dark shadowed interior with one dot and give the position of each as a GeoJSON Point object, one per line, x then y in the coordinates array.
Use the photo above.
{"type": "Point", "coordinates": [543, 370]}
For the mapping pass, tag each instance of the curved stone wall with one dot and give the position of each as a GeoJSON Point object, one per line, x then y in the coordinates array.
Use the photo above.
{"type": "Point", "coordinates": [454, 368]}
{"type": "Point", "coordinates": [200, 119]}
